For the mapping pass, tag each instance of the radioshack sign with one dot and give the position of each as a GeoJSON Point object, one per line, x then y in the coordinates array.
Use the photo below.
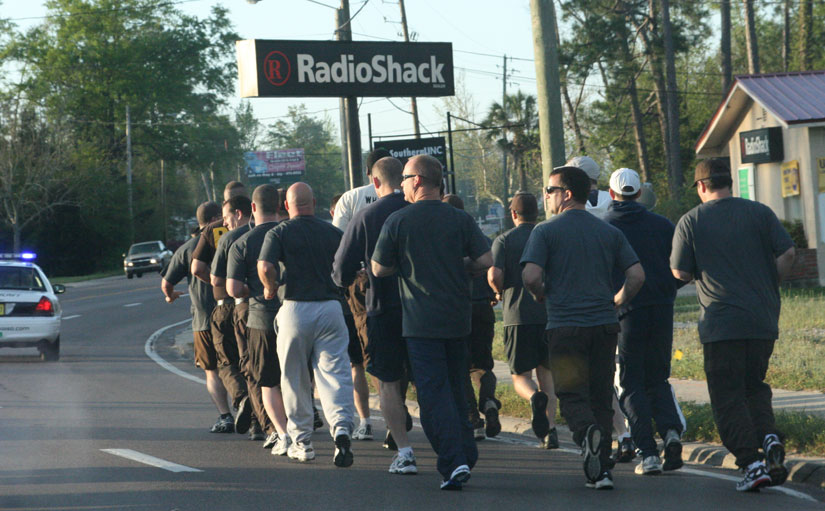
{"type": "Point", "coordinates": [334, 69]}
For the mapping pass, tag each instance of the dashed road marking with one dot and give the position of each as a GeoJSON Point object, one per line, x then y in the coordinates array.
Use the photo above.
{"type": "Point", "coordinates": [132, 304]}
{"type": "Point", "coordinates": [150, 460]}
{"type": "Point", "coordinates": [72, 316]}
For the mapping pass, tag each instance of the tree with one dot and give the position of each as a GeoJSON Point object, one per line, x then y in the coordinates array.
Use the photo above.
{"type": "Point", "coordinates": [515, 128]}
{"type": "Point", "coordinates": [750, 37]}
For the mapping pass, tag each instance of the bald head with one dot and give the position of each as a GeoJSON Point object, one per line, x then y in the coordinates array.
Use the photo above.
{"type": "Point", "coordinates": [427, 167]}
{"type": "Point", "coordinates": [300, 200]}
{"type": "Point", "coordinates": [388, 170]}
{"type": "Point", "coordinates": [233, 189]}
{"type": "Point", "coordinates": [265, 198]}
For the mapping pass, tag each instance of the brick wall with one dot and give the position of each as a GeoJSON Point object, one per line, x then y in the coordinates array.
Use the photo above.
{"type": "Point", "coordinates": [804, 267]}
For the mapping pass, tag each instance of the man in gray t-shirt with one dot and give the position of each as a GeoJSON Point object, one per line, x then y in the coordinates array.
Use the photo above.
{"type": "Point", "coordinates": [569, 264]}
{"type": "Point", "coordinates": [738, 252]}
{"type": "Point", "coordinates": [524, 321]}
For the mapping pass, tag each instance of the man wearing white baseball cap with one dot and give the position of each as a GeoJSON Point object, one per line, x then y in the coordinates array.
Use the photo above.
{"type": "Point", "coordinates": [597, 200]}
{"type": "Point", "coordinates": [646, 337]}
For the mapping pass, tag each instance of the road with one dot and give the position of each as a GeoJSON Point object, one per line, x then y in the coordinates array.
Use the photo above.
{"type": "Point", "coordinates": [62, 423]}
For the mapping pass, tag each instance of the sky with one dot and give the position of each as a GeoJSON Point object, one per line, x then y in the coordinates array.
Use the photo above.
{"type": "Point", "coordinates": [481, 32]}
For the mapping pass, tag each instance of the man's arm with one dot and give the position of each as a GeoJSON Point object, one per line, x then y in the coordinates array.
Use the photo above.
{"type": "Point", "coordinates": [200, 270]}
{"type": "Point", "coordinates": [236, 288]}
{"type": "Point", "coordinates": [495, 278]}
{"type": "Point", "coordinates": [681, 275]}
{"type": "Point", "coordinates": [268, 273]}
{"type": "Point", "coordinates": [217, 281]}
{"type": "Point", "coordinates": [532, 276]}
{"type": "Point", "coordinates": [380, 270]}
{"type": "Point", "coordinates": [168, 290]}
{"type": "Point", "coordinates": [350, 254]}
{"type": "Point", "coordinates": [478, 266]}
{"type": "Point", "coordinates": [784, 263]}
{"type": "Point", "coordinates": [634, 278]}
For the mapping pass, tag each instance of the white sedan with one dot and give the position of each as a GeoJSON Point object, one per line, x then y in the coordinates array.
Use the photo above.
{"type": "Point", "coordinates": [30, 312]}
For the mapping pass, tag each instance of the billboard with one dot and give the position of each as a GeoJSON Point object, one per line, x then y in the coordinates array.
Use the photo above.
{"type": "Point", "coordinates": [276, 163]}
{"type": "Point", "coordinates": [406, 149]}
{"type": "Point", "coordinates": [272, 68]}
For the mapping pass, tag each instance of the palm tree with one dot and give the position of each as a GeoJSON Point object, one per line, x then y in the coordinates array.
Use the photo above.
{"type": "Point", "coordinates": [514, 127]}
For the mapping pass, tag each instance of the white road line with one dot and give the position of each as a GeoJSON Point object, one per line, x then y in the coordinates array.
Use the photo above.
{"type": "Point", "coordinates": [149, 348]}
{"type": "Point", "coordinates": [72, 316]}
{"type": "Point", "coordinates": [150, 460]}
{"type": "Point", "coordinates": [132, 304]}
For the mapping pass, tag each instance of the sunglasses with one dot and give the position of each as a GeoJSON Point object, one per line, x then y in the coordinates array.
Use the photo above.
{"type": "Point", "coordinates": [404, 177]}
{"type": "Point", "coordinates": [551, 189]}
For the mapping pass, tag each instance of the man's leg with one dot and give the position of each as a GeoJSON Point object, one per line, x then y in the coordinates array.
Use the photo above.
{"type": "Point", "coordinates": [267, 372]}
{"type": "Point", "coordinates": [569, 365]}
{"type": "Point", "coordinates": [206, 359]}
{"type": "Point", "coordinates": [360, 389]}
{"type": "Point", "coordinates": [294, 347]}
{"type": "Point", "coordinates": [545, 381]}
{"type": "Point", "coordinates": [633, 348]}
{"type": "Point", "coordinates": [216, 390]}
{"type": "Point", "coordinates": [253, 389]}
{"type": "Point", "coordinates": [602, 367]}
{"type": "Point", "coordinates": [331, 363]}
{"type": "Point", "coordinates": [226, 349]}
{"type": "Point", "coordinates": [757, 391]}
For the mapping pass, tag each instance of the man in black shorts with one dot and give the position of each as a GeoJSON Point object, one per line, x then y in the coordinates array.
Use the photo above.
{"type": "Point", "coordinates": [387, 354]}
{"type": "Point", "coordinates": [202, 304]}
{"type": "Point", "coordinates": [242, 282]}
{"type": "Point", "coordinates": [442, 244]}
{"type": "Point", "coordinates": [524, 321]}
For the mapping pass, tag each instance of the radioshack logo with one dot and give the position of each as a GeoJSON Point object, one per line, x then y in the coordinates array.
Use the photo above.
{"type": "Point", "coordinates": [277, 68]}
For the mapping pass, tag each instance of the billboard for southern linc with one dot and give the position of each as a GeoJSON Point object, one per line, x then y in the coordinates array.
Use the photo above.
{"type": "Point", "coordinates": [270, 68]}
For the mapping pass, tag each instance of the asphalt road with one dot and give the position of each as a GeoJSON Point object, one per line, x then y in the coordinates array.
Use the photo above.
{"type": "Point", "coordinates": [105, 393]}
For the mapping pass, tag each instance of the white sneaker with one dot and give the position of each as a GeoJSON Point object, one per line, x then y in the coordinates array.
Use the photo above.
{"type": "Point", "coordinates": [270, 440]}
{"type": "Point", "coordinates": [301, 451]}
{"type": "Point", "coordinates": [363, 432]}
{"type": "Point", "coordinates": [281, 446]}
{"type": "Point", "coordinates": [649, 466]}
{"type": "Point", "coordinates": [403, 464]}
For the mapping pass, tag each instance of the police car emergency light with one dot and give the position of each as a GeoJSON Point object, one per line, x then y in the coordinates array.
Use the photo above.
{"type": "Point", "coordinates": [18, 256]}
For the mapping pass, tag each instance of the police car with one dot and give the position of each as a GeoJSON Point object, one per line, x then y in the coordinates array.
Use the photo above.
{"type": "Point", "coordinates": [29, 310]}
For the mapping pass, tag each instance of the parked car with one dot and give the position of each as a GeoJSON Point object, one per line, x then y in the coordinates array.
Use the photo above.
{"type": "Point", "coordinates": [30, 312]}
{"type": "Point", "coordinates": [145, 257]}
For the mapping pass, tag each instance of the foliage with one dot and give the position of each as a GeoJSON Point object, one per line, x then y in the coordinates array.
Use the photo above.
{"type": "Point", "coordinates": [797, 232]}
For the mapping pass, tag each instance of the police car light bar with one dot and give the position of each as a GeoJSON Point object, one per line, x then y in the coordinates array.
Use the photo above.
{"type": "Point", "coordinates": [18, 256]}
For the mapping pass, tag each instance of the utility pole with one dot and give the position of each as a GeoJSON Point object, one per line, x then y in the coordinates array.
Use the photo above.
{"type": "Point", "coordinates": [343, 32]}
{"type": "Point", "coordinates": [413, 102]}
{"type": "Point", "coordinates": [504, 112]}
{"type": "Point", "coordinates": [551, 128]}
{"type": "Point", "coordinates": [163, 202]}
{"type": "Point", "coordinates": [129, 174]}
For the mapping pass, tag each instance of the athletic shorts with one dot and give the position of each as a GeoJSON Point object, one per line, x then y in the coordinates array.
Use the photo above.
{"type": "Point", "coordinates": [387, 352]}
{"type": "Point", "coordinates": [205, 356]}
{"type": "Point", "coordinates": [264, 366]}
{"type": "Point", "coordinates": [223, 334]}
{"type": "Point", "coordinates": [356, 299]}
{"type": "Point", "coordinates": [526, 347]}
{"type": "Point", "coordinates": [354, 348]}
{"type": "Point", "coordinates": [480, 340]}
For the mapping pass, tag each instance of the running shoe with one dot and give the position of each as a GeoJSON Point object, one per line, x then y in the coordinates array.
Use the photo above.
{"type": "Point", "coordinates": [457, 479]}
{"type": "Point", "coordinates": [649, 466]}
{"type": "Point", "coordinates": [389, 442]}
{"type": "Point", "coordinates": [224, 425]}
{"type": "Point", "coordinates": [624, 451]}
{"type": "Point", "coordinates": [317, 423]}
{"type": "Point", "coordinates": [550, 440]}
{"type": "Point", "coordinates": [775, 459]}
{"type": "Point", "coordinates": [491, 421]}
{"type": "Point", "coordinates": [673, 451]}
{"type": "Point", "coordinates": [301, 451]}
{"type": "Point", "coordinates": [281, 445]}
{"type": "Point", "coordinates": [754, 479]}
{"type": "Point", "coordinates": [538, 403]}
{"type": "Point", "coordinates": [603, 482]}
{"type": "Point", "coordinates": [479, 432]}
{"type": "Point", "coordinates": [255, 431]}
{"type": "Point", "coordinates": [269, 443]}
{"type": "Point", "coordinates": [363, 432]}
{"type": "Point", "coordinates": [402, 464]}
{"type": "Point", "coordinates": [343, 453]}
{"type": "Point", "coordinates": [243, 419]}
{"type": "Point", "coordinates": [591, 450]}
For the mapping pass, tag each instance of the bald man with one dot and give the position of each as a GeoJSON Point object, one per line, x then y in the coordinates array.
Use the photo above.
{"type": "Point", "coordinates": [310, 324]}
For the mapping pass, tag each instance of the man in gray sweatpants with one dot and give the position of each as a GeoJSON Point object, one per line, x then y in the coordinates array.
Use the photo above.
{"type": "Point", "coordinates": [310, 324]}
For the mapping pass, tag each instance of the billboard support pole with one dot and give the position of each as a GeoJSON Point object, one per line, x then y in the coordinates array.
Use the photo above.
{"type": "Point", "coordinates": [452, 161]}
{"type": "Point", "coordinates": [369, 130]}
{"type": "Point", "coordinates": [344, 33]}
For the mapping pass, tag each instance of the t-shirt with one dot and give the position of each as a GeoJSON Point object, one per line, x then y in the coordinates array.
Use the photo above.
{"type": "Point", "coordinates": [427, 242]}
{"type": "Point", "coordinates": [208, 241]}
{"type": "Point", "coordinates": [356, 249]}
{"type": "Point", "coordinates": [352, 202]}
{"type": "Point", "coordinates": [242, 265]}
{"type": "Point", "coordinates": [519, 307]}
{"type": "Point", "coordinates": [306, 245]}
{"type": "Point", "coordinates": [730, 246]}
{"type": "Point", "coordinates": [580, 255]}
{"type": "Point", "coordinates": [597, 203]}
{"type": "Point", "coordinates": [200, 293]}
{"type": "Point", "coordinates": [221, 258]}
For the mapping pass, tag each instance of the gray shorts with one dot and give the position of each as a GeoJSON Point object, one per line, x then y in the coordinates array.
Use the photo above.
{"type": "Point", "coordinates": [526, 347]}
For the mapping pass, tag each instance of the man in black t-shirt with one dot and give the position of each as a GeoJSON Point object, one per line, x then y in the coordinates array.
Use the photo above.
{"type": "Point", "coordinates": [738, 252]}
{"type": "Point", "coordinates": [432, 246]}
{"type": "Point", "coordinates": [311, 327]}
{"type": "Point", "coordinates": [243, 283]}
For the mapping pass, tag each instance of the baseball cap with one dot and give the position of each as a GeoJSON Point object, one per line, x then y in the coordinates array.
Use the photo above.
{"type": "Point", "coordinates": [714, 167]}
{"type": "Point", "coordinates": [625, 182]}
{"type": "Point", "coordinates": [586, 163]}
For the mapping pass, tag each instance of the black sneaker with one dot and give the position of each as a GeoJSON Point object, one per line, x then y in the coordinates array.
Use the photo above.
{"type": "Point", "coordinates": [625, 451]}
{"type": "Point", "coordinates": [550, 440]}
{"type": "Point", "coordinates": [255, 431]}
{"type": "Point", "coordinates": [755, 478]}
{"type": "Point", "coordinates": [343, 453]}
{"type": "Point", "coordinates": [492, 425]}
{"type": "Point", "coordinates": [775, 459]}
{"type": "Point", "coordinates": [243, 419]}
{"type": "Point", "coordinates": [317, 422]}
{"type": "Point", "coordinates": [457, 479]}
{"type": "Point", "coordinates": [538, 402]}
{"type": "Point", "coordinates": [591, 450]}
{"type": "Point", "coordinates": [479, 432]}
{"type": "Point", "coordinates": [673, 451]}
{"type": "Point", "coordinates": [224, 425]}
{"type": "Point", "coordinates": [389, 442]}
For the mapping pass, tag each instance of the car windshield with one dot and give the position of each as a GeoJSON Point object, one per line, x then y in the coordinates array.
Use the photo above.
{"type": "Point", "coordinates": [144, 248]}
{"type": "Point", "coordinates": [12, 277]}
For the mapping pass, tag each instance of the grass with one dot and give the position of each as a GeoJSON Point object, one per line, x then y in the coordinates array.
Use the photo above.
{"type": "Point", "coordinates": [81, 278]}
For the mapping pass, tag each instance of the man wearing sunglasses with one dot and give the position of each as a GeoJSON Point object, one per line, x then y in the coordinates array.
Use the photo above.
{"type": "Point", "coordinates": [569, 263]}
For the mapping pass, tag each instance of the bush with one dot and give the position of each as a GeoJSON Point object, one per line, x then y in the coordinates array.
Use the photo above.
{"type": "Point", "coordinates": [797, 232]}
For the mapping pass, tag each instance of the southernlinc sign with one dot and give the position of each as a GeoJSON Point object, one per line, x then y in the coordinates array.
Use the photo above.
{"type": "Point", "coordinates": [406, 149]}
{"type": "Point", "coordinates": [761, 146]}
{"type": "Point", "coordinates": [347, 68]}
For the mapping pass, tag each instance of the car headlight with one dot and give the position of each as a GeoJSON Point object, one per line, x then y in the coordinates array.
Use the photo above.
{"type": "Point", "coordinates": [130, 263]}
{"type": "Point", "coordinates": [153, 261]}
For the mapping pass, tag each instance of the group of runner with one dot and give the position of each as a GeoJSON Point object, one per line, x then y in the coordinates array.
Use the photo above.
{"type": "Point", "coordinates": [402, 286]}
